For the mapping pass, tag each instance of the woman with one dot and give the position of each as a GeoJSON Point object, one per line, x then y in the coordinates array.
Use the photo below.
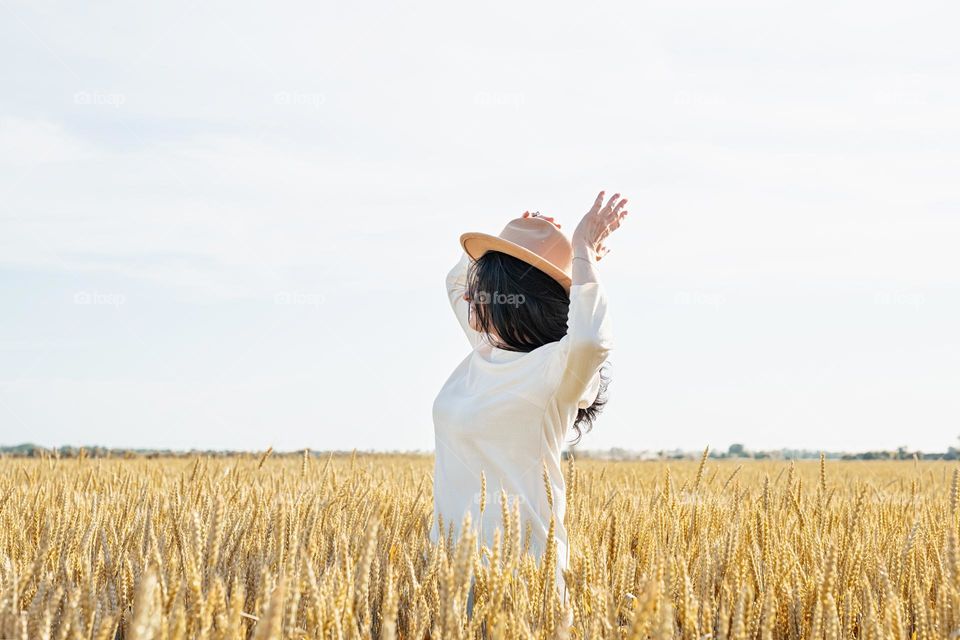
{"type": "Point", "coordinates": [531, 305]}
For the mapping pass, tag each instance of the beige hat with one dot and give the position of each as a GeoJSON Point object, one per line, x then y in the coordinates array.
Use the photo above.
{"type": "Point", "coordinates": [534, 240]}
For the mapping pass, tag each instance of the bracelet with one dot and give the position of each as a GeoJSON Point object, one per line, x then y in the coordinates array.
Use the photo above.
{"type": "Point", "coordinates": [582, 258]}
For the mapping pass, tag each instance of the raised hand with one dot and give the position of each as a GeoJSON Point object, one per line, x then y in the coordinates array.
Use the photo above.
{"type": "Point", "coordinates": [598, 223]}
{"type": "Point", "coordinates": [527, 214]}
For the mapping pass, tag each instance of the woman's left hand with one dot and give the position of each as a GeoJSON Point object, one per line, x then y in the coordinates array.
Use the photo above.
{"type": "Point", "coordinates": [527, 214]}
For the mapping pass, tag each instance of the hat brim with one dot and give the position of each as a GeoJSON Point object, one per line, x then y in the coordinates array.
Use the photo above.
{"type": "Point", "coordinates": [477, 244]}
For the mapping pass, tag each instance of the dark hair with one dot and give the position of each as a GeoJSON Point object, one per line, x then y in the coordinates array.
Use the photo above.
{"type": "Point", "coordinates": [525, 309]}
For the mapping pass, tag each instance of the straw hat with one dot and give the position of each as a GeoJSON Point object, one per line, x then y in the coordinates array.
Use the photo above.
{"type": "Point", "coordinates": [534, 240]}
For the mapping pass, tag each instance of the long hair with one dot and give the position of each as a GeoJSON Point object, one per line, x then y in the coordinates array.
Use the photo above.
{"type": "Point", "coordinates": [519, 308]}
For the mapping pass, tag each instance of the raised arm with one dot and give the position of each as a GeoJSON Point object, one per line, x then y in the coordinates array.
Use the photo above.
{"type": "Point", "coordinates": [456, 287]}
{"type": "Point", "coordinates": [588, 339]}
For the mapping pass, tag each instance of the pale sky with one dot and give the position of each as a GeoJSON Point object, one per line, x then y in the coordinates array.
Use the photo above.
{"type": "Point", "coordinates": [226, 225]}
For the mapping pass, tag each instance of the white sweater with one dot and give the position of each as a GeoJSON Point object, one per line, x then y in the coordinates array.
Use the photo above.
{"type": "Point", "coordinates": [508, 413]}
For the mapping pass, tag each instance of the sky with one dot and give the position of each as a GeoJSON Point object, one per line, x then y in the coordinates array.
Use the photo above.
{"type": "Point", "coordinates": [227, 225]}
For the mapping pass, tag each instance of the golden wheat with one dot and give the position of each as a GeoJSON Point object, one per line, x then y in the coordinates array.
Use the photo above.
{"type": "Point", "coordinates": [276, 546]}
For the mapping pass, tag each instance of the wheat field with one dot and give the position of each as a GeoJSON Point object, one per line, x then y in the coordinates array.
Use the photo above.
{"type": "Point", "coordinates": [337, 547]}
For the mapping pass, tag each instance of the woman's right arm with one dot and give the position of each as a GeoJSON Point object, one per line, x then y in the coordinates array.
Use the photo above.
{"type": "Point", "coordinates": [456, 288]}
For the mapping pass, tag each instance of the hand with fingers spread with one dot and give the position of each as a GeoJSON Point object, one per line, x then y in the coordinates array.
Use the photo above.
{"type": "Point", "coordinates": [602, 220]}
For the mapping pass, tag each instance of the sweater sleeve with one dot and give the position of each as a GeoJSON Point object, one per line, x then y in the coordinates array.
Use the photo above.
{"type": "Point", "coordinates": [585, 347]}
{"type": "Point", "coordinates": [456, 287]}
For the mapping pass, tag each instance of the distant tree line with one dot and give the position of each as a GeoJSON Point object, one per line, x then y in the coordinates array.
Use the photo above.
{"type": "Point", "coordinates": [29, 450]}
{"type": "Point", "coordinates": [740, 451]}
{"type": "Point", "coordinates": [735, 451]}
{"type": "Point", "coordinates": [900, 453]}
